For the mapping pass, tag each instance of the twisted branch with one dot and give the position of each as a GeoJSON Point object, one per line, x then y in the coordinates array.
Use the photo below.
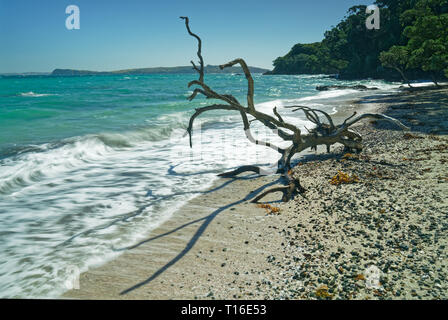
{"type": "Point", "coordinates": [250, 81]}
{"type": "Point", "coordinates": [347, 123]}
{"type": "Point", "coordinates": [201, 60]}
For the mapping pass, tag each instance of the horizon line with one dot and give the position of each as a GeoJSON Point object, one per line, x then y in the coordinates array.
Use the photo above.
{"type": "Point", "coordinates": [116, 70]}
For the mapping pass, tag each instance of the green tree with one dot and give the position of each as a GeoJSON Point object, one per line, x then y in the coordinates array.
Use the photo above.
{"type": "Point", "coordinates": [428, 36]}
{"type": "Point", "coordinates": [397, 58]}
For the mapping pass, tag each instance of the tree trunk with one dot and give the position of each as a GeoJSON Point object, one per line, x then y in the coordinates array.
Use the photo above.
{"type": "Point", "coordinates": [404, 77]}
{"type": "Point", "coordinates": [433, 76]}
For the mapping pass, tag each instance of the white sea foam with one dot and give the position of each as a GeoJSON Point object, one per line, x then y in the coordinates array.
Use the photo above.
{"type": "Point", "coordinates": [33, 94]}
{"type": "Point", "coordinates": [70, 204]}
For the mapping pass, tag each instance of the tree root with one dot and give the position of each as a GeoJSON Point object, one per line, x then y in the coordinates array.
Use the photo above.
{"type": "Point", "coordinates": [289, 191]}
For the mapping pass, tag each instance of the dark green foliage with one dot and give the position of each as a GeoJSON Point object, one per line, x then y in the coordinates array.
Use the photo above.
{"type": "Point", "coordinates": [353, 51]}
{"type": "Point", "coordinates": [428, 36]}
{"type": "Point", "coordinates": [313, 58]}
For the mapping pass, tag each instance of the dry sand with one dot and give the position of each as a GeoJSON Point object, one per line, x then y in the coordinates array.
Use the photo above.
{"type": "Point", "coordinates": [384, 237]}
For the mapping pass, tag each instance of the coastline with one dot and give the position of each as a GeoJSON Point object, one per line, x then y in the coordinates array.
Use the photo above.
{"type": "Point", "coordinates": [219, 245]}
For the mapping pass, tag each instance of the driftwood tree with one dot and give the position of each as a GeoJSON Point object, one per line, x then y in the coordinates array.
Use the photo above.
{"type": "Point", "coordinates": [325, 131]}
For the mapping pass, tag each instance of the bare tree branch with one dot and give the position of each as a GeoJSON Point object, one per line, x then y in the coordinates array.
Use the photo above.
{"type": "Point", "coordinates": [278, 115]}
{"type": "Point", "coordinates": [374, 116]}
{"type": "Point", "coordinates": [204, 109]}
{"type": "Point", "coordinates": [250, 81]}
{"type": "Point", "coordinates": [345, 121]}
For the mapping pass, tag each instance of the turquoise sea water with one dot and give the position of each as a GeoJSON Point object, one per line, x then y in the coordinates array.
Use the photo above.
{"type": "Point", "coordinates": [89, 165]}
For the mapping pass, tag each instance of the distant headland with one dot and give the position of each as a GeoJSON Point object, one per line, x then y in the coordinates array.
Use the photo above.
{"type": "Point", "coordinates": [157, 70]}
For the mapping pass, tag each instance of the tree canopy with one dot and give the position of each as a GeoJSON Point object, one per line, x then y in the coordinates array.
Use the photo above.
{"type": "Point", "coordinates": [428, 35]}
{"type": "Point", "coordinates": [413, 36]}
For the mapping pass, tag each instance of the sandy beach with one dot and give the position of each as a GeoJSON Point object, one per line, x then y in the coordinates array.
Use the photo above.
{"type": "Point", "coordinates": [382, 237]}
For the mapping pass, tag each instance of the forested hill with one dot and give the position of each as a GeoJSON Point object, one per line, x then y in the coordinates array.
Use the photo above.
{"type": "Point", "coordinates": [412, 42]}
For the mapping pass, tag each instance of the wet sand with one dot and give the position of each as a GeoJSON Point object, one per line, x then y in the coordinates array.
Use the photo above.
{"type": "Point", "coordinates": [383, 237]}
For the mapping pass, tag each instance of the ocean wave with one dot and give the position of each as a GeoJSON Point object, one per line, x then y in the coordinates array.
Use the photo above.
{"type": "Point", "coordinates": [33, 94]}
{"type": "Point", "coordinates": [26, 164]}
{"type": "Point", "coordinates": [134, 138]}
{"type": "Point", "coordinates": [25, 169]}
{"type": "Point", "coordinates": [86, 195]}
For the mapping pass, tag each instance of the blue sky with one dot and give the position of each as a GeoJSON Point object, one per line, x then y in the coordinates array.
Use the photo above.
{"type": "Point", "coordinates": [146, 33]}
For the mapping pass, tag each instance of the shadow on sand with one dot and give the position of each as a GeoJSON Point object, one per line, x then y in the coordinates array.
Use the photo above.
{"type": "Point", "coordinates": [425, 109]}
{"type": "Point", "coordinates": [206, 221]}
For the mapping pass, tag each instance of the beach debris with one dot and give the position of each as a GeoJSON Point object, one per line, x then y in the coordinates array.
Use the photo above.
{"type": "Point", "coordinates": [325, 131]}
{"type": "Point", "coordinates": [350, 156]}
{"type": "Point", "coordinates": [343, 178]}
{"type": "Point", "coordinates": [409, 136]}
{"type": "Point", "coordinates": [322, 292]}
{"type": "Point", "coordinates": [270, 209]}
{"type": "Point", "coordinates": [360, 277]}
